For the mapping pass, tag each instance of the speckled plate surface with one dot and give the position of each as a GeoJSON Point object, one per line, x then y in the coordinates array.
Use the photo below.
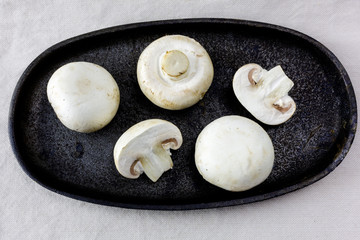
{"type": "Point", "coordinates": [307, 147]}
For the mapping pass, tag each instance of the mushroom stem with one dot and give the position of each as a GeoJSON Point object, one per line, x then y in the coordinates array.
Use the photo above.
{"type": "Point", "coordinates": [156, 162]}
{"type": "Point", "coordinates": [174, 63]}
{"type": "Point", "coordinates": [282, 109]}
{"type": "Point", "coordinates": [277, 82]}
{"type": "Point", "coordinates": [135, 169]}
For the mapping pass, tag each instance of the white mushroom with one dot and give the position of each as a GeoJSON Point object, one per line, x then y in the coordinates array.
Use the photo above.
{"type": "Point", "coordinates": [264, 93]}
{"type": "Point", "coordinates": [234, 153]}
{"type": "Point", "coordinates": [84, 96]}
{"type": "Point", "coordinates": [174, 72]}
{"type": "Point", "coordinates": [145, 147]}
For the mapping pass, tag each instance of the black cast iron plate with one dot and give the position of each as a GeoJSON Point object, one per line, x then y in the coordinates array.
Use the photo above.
{"type": "Point", "coordinates": [307, 147]}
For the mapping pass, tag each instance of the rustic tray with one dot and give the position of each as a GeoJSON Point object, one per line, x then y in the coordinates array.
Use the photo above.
{"type": "Point", "coordinates": [307, 147]}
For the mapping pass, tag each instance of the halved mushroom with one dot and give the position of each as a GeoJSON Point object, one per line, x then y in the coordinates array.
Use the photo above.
{"type": "Point", "coordinates": [145, 147]}
{"type": "Point", "coordinates": [174, 72]}
{"type": "Point", "coordinates": [264, 93]}
{"type": "Point", "coordinates": [84, 96]}
{"type": "Point", "coordinates": [234, 153]}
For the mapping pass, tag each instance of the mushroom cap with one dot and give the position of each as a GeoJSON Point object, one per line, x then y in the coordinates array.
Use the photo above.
{"type": "Point", "coordinates": [174, 72]}
{"type": "Point", "coordinates": [234, 153]}
{"type": "Point", "coordinates": [84, 96]}
{"type": "Point", "coordinates": [264, 93]}
{"type": "Point", "coordinates": [140, 140]}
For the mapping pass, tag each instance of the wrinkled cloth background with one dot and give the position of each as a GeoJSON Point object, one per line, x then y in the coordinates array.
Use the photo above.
{"type": "Point", "coordinates": [328, 209]}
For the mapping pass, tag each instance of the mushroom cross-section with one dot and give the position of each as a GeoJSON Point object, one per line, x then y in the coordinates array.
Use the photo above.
{"type": "Point", "coordinates": [174, 72]}
{"type": "Point", "coordinates": [234, 153]}
{"type": "Point", "coordinates": [84, 96]}
{"type": "Point", "coordinates": [145, 147]}
{"type": "Point", "coordinates": [264, 93]}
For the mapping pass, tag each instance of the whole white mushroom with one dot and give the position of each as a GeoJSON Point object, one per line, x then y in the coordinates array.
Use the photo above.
{"type": "Point", "coordinates": [234, 153]}
{"type": "Point", "coordinates": [264, 93]}
{"type": "Point", "coordinates": [84, 96]}
{"type": "Point", "coordinates": [174, 72]}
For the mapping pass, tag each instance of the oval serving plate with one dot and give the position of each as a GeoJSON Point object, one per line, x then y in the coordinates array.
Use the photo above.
{"type": "Point", "coordinates": [307, 147]}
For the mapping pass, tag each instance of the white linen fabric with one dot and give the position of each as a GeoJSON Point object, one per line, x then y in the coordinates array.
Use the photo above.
{"type": "Point", "coordinates": [328, 209]}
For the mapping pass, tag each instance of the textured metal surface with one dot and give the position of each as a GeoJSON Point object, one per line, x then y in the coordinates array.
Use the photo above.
{"type": "Point", "coordinates": [307, 147]}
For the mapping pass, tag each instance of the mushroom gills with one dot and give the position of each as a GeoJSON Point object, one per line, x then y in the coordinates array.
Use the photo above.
{"type": "Point", "coordinates": [156, 162]}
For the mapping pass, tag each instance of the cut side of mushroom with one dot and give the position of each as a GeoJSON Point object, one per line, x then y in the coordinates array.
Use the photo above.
{"type": "Point", "coordinates": [264, 93]}
{"type": "Point", "coordinates": [174, 72]}
{"type": "Point", "coordinates": [234, 153]}
{"type": "Point", "coordinates": [84, 96]}
{"type": "Point", "coordinates": [145, 147]}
